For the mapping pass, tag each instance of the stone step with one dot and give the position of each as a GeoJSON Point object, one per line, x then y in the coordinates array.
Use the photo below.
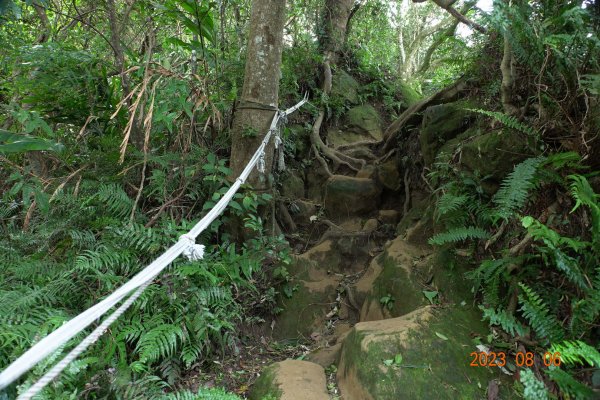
{"type": "Point", "coordinates": [291, 380]}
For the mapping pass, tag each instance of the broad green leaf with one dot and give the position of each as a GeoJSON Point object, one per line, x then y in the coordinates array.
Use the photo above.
{"type": "Point", "coordinates": [16, 143]}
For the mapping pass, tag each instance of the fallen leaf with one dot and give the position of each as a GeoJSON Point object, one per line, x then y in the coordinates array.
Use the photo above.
{"type": "Point", "coordinates": [441, 336]}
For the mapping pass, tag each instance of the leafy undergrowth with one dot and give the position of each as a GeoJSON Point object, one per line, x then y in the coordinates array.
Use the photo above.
{"type": "Point", "coordinates": [538, 242]}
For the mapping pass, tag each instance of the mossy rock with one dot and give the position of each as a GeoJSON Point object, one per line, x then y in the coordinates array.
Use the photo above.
{"type": "Point", "coordinates": [495, 154]}
{"type": "Point", "coordinates": [346, 196]}
{"type": "Point", "coordinates": [434, 346]}
{"type": "Point", "coordinates": [441, 123]}
{"type": "Point", "coordinates": [364, 120]}
{"type": "Point", "coordinates": [409, 95]}
{"type": "Point", "coordinates": [344, 86]}
{"type": "Point", "coordinates": [265, 386]}
{"type": "Point", "coordinates": [292, 185]}
{"type": "Point", "coordinates": [391, 277]}
{"type": "Point", "coordinates": [291, 380]}
{"type": "Point", "coordinates": [315, 290]}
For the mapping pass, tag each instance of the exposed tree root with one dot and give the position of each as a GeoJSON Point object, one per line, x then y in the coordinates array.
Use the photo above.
{"type": "Point", "coordinates": [334, 155]}
{"type": "Point", "coordinates": [445, 95]}
{"type": "Point", "coordinates": [315, 138]}
{"type": "Point", "coordinates": [286, 218]}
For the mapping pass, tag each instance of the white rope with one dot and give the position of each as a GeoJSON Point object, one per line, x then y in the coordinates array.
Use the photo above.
{"type": "Point", "coordinates": [186, 245]}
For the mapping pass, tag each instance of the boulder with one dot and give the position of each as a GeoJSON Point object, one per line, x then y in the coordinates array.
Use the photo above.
{"type": "Point", "coordinates": [431, 349]}
{"type": "Point", "coordinates": [302, 211]}
{"type": "Point", "coordinates": [494, 154]}
{"type": "Point", "coordinates": [305, 311]}
{"type": "Point", "coordinates": [367, 171]}
{"type": "Point", "coordinates": [364, 120]}
{"type": "Point", "coordinates": [346, 195]}
{"type": "Point", "coordinates": [390, 287]}
{"type": "Point", "coordinates": [344, 86]}
{"type": "Point", "coordinates": [440, 124]}
{"type": "Point", "coordinates": [292, 186]}
{"type": "Point", "coordinates": [388, 216]}
{"type": "Point", "coordinates": [370, 226]}
{"type": "Point", "coordinates": [291, 380]}
{"type": "Point", "coordinates": [389, 176]}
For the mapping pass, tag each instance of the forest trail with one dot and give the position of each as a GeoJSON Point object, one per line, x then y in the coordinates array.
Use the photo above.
{"type": "Point", "coordinates": [386, 319]}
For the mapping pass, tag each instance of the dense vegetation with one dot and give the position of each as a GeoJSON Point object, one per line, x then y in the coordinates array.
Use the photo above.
{"type": "Point", "coordinates": [115, 122]}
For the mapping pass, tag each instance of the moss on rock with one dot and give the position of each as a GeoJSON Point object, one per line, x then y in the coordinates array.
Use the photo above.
{"type": "Point", "coordinates": [435, 347]}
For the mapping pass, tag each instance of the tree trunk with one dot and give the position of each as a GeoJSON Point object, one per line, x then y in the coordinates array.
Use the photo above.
{"type": "Point", "coordinates": [261, 87]}
{"type": "Point", "coordinates": [335, 21]}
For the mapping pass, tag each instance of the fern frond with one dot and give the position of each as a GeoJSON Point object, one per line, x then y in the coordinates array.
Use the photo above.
{"type": "Point", "coordinates": [569, 385]}
{"type": "Point", "coordinates": [159, 342]}
{"type": "Point", "coordinates": [506, 320]}
{"type": "Point", "coordinates": [448, 203]}
{"type": "Point", "coordinates": [455, 235]}
{"type": "Point", "coordinates": [577, 352]}
{"type": "Point", "coordinates": [582, 192]}
{"type": "Point", "coordinates": [514, 190]}
{"type": "Point", "coordinates": [507, 120]}
{"type": "Point", "coordinates": [115, 200]}
{"type": "Point", "coordinates": [545, 324]}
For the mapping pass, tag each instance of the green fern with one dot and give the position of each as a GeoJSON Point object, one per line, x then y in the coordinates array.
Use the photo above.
{"type": "Point", "coordinates": [506, 320]}
{"type": "Point", "coordinates": [459, 234]}
{"type": "Point", "coordinates": [540, 318]}
{"type": "Point", "coordinates": [448, 203]}
{"type": "Point", "coordinates": [203, 394]}
{"type": "Point", "coordinates": [569, 385]}
{"type": "Point", "coordinates": [582, 192]}
{"type": "Point", "coordinates": [507, 120]}
{"type": "Point", "coordinates": [116, 201]}
{"type": "Point", "coordinates": [577, 352]}
{"type": "Point", "coordinates": [159, 342]}
{"type": "Point", "coordinates": [514, 190]}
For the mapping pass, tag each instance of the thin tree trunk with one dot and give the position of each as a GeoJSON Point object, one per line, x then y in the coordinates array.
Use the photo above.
{"type": "Point", "coordinates": [259, 98]}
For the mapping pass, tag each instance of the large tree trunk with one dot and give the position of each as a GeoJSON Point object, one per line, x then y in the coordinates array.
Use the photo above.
{"type": "Point", "coordinates": [259, 98]}
{"type": "Point", "coordinates": [333, 32]}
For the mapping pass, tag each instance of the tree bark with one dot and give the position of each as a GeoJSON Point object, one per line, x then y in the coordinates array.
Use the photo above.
{"type": "Point", "coordinates": [335, 22]}
{"type": "Point", "coordinates": [259, 99]}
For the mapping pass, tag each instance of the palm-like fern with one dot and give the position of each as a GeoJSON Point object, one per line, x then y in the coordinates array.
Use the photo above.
{"type": "Point", "coordinates": [459, 234]}
{"type": "Point", "coordinates": [543, 322]}
{"type": "Point", "coordinates": [507, 120]}
{"type": "Point", "coordinates": [514, 190]}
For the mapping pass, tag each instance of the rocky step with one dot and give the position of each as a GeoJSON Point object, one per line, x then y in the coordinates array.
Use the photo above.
{"type": "Point", "coordinates": [291, 380]}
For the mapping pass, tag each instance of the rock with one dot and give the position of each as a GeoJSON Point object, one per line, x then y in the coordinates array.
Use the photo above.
{"type": "Point", "coordinates": [369, 171]}
{"type": "Point", "coordinates": [494, 154]}
{"type": "Point", "coordinates": [316, 176]}
{"type": "Point", "coordinates": [388, 216]}
{"type": "Point", "coordinates": [291, 380]}
{"type": "Point", "coordinates": [345, 196]}
{"type": "Point", "coordinates": [434, 347]}
{"type": "Point", "coordinates": [440, 124]}
{"type": "Point", "coordinates": [364, 120]}
{"type": "Point", "coordinates": [292, 186]}
{"type": "Point", "coordinates": [370, 226]}
{"type": "Point", "coordinates": [409, 95]}
{"type": "Point", "coordinates": [390, 275]}
{"type": "Point", "coordinates": [315, 290]}
{"type": "Point", "coordinates": [302, 210]}
{"type": "Point", "coordinates": [345, 86]}
{"type": "Point", "coordinates": [389, 176]}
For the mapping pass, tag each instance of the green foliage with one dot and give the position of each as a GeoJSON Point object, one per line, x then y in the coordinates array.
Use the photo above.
{"type": "Point", "coordinates": [458, 235]}
{"type": "Point", "coordinates": [539, 316]}
{"type": "Point", "coordinates": [506, 320]}
{"type": "Point", "coordinates": [203, 394]}
{"type": "Point", "coordinates": [534, 388]}
{"type": "Point", "coordinates": [513, 193]}
{"type": "Point", "coordinates": [507, 120]}
{"type": "Point", "coordinates": [577, 352]}
{"type": "Point", "coordinates": [14, 143]}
